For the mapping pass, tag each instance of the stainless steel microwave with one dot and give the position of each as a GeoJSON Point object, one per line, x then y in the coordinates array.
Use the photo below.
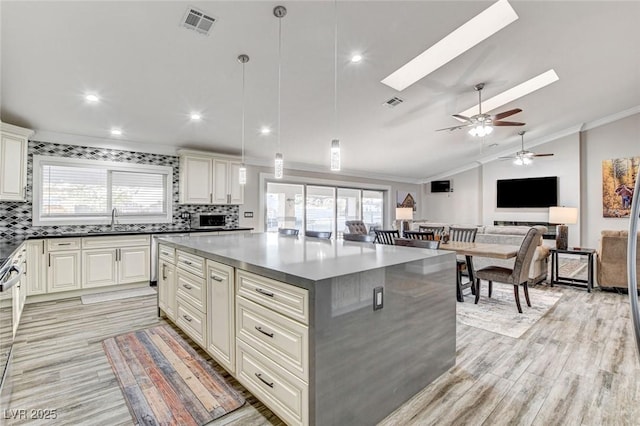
{"type": "Point", "coordinates": [207, 221]}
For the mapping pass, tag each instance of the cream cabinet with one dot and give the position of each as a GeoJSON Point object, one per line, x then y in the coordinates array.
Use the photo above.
{"type": "Point", "coordinates": [167, 288]}
{"type": "Point", "coordinates": [209, 179]}
{"type": "Point", "coordinates": [19, 291]}
{"type": "Point", "coordinates": [220, 314]}
{"type": "Point", "coordinates": [63, 273]}
{"type": "Point", "coordinates": [37, 276]}
{"type": "Point", "coordinates": [115, 260]}
{"type": "Point", "coordinates": [191, 296]}
{"type": "Point", "coordinates": [14, 142]}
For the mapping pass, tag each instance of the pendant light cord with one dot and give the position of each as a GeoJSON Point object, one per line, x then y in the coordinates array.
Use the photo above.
{"type": "Point", "coordinates": [279, 75]}
{"type": "Point", "coordinates": [335, 69]}
{"type": "Point", "coordinates": [243, 113]}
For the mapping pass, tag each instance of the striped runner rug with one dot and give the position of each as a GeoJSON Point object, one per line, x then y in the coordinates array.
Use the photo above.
{"type": "Point", "coordinates": [165, 381]}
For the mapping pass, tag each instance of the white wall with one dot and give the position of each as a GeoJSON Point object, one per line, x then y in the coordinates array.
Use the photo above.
{"type": "Point", "coordinates": [462, 206]}
{"type": "Point", "coordinates": [252, 191]}
{"type": "Point", "coordinates": [619, 139]}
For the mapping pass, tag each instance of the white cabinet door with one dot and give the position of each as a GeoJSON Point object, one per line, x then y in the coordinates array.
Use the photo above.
{"type": "Point", "coordinates": [195, 180]}
{"type": "Point", "coordinates": [220, 314]}
{"type": "Point", "coordinates": [64, 271]}
{"type": "Point", "coordinates": [99, 268]}
{"type": "Point", "coordinates": [220, 187]}
{"type": "Point", "coordinates": [133, 265]}
{"type": "Point", "coordinates": [13, 167]}
{"type": "Point", "coordinates": [236, 191]}
{"type": "Point", "coordinates": [36, 277]}
{"type": "Point", "coordinates": [167, 288]}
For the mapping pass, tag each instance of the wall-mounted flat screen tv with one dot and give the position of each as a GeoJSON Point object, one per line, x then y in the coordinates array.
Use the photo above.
{"type": "Point", "coordinates": [529, 192]}
{"type": "Point", "coordinates": [440, 186]}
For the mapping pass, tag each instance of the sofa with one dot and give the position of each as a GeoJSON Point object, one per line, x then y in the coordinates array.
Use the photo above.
{"type": "Point", "coordinates": [511, 235]}
{"type": "Point", "coordinates": [612, 259]}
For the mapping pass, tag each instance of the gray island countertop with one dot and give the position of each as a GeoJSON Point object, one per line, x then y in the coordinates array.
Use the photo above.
{"type": "Point", "coordinates": [299, 260]}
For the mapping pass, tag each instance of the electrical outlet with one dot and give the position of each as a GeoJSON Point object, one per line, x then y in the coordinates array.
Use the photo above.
{"type": "Point", "coordinates": [248, 214]}
{"type": "Point", "coordinates": [378, 298]}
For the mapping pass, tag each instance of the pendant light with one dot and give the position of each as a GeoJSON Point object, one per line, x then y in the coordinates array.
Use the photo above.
{"type": "Point", "coordinates": [335, 143]}
{"type": "Point", "coordinates": [242, 171]}
{"type": "Point", "coordinates": [279, 12]}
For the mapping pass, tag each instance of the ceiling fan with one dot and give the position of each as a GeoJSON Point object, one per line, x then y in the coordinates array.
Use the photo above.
{"type": "Point", "coordinates": [523, 157]}
{"type": "Point", "coordinates": [482, 124]}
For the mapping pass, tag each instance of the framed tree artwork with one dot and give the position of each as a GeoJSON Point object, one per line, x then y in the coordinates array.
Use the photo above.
{"type": "Point", "coordinates": [618, 181]}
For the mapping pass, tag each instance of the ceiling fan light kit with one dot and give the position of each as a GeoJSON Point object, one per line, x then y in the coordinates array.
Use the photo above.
{"type": "Point", "coordinates": [523, 157]}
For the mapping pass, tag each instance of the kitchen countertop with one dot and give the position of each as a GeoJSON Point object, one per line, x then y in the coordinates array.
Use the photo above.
{"type": "Point", "coordinates": [9, 245]}
{"type": "Point", "coordinates": [298, 260]}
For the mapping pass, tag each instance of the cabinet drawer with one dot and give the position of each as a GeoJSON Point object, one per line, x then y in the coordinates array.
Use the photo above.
{"type": "Point", "coordinates": [167, 253]}
{"type": "Point", "coordinates": [283, 298]}
{"type": "Point", "coordinates": [279, 338]}
{"type": "Point", "coordinates": [63, 244]}
{"type": "Point", "coordinates": [117, 242]}
{"type": "Point", "coordinates": [191, 288]}
{"type": "Point", "coordinates": [191, 321]}
{"type": "Point", "coordinates": [190, 262]}
{"type": "Point", "coordinates": [286, 395]}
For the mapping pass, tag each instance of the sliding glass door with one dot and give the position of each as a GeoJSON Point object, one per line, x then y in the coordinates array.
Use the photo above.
{"type": "Point", "coordinates": [321, 207]}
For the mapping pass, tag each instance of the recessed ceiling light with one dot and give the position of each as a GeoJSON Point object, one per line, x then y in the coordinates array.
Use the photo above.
{"type": "Point", "coordinates": [522, 89]}
{"type": "Point", "coordinates": [356, 58]}
{"type": "Point", "coordinates": [265, 130]}
{"type": "Point", "coordinates": [91, 97]}
{"type": "Point", "coordinates": [116, 132]}
{"type": "Point", "coordinates": [479, 28]}
{"type": "Point", "coordinates": [195, 116]}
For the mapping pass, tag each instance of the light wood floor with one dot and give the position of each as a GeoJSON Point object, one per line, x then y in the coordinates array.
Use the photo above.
{"type": "Point", "coordinates": [577, 365]}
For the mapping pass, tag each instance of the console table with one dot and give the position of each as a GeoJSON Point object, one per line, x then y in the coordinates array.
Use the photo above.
{"type": "Point", "coordinates": [557, 279]}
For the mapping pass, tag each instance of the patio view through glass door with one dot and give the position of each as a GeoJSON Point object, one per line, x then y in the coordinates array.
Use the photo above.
{"type": "Point", "coordinates": [321, 207]}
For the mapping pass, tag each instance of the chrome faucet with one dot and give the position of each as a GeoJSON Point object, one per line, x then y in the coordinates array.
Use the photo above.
{"type": "Point", "coordinates": [114, 213]}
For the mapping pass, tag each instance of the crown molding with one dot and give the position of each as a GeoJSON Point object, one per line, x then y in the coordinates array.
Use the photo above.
{"type": "Point", "coordinates": [611, 118]}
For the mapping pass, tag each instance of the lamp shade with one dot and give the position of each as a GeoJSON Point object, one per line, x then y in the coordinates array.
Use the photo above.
{"type": "Point", "coordinates": [404, 213]}
{"type": "Point", "coordinates": [563, 215]}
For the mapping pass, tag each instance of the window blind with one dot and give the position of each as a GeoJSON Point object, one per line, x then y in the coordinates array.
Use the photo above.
{"type": "Point", "coordinates": [72, 191]}
{"type": "Point", "coordinates": [138, 193]}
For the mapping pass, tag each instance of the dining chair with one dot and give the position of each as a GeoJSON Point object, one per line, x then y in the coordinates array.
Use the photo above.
{"type": "Point", "coordinates": [318, 234]}
{"type": "Point", "coordinates": [463, 263]}
{"type": "Point", "coordinates": [518, 276]}
{"type": "Point", "coordinates": [437, 230]}
{"type": "Point", "coordinates": [362, 238]}
{"type": "Point", "coordinates": [427, 244]}
{"type": "Point", "coordinates": [419, 235]}
{"type": "Point", "coordinates": [356, 227]}
{"type": "Point", "coordinates": [288, 231]}
{"type": "Point", "coordinates": [386, 236]}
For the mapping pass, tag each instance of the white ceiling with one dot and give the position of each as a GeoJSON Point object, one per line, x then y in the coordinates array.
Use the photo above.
{"type": "Point", "coordinates": [151, 73]}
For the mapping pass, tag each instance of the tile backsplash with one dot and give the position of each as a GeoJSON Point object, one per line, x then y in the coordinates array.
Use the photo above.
{"type": "Point", "coordinates": [16, 217]}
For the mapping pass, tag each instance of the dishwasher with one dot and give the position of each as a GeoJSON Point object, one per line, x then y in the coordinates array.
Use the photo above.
{"type": "Point", "coordinates": [154, 253]}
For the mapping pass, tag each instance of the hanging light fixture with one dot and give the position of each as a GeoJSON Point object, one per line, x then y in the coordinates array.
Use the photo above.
{"type": "Point", "coordinates": [279, 12]}
{"type": "Point", "coordinates": [242, 171]}
{"type": "Point", "coordinates": [482, 126]}
{"type": "Point", "coordinates": [335, 143]}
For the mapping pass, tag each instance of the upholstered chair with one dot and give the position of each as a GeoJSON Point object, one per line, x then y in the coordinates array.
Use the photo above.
{"type": "Point", "coordinates": [356, 227]}
{"type": "Point", "coordinates": [518, 276]}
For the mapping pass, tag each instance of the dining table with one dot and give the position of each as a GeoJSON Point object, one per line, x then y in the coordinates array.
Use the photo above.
{"type": "Point", "coordinates": [470, 250]}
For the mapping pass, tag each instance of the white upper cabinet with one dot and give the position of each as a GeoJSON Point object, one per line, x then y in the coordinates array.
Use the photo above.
{"type": "Point", "coordinates": [208, 179]}
{"type": "Point", "coordinates": [13, 162]}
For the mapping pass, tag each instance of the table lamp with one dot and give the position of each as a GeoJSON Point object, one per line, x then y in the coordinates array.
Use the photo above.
{"type": "Point", "coordinates": [404, 215]}
{"type": "Point", "coordinates": [563, 216]}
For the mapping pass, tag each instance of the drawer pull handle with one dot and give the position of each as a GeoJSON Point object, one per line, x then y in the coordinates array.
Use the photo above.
{"type": "Point", "coordinates": [165, 253]}
{"type": "Point", "coordinates": [64, 244]}
{"type": "Point", "coordinates": [259, 376]}
{"type": "Point", "coordinates": [216, 278]}
{"type": "Point", "coordinates": [187, 286]}
{"type": "Point", "coordinates": [187, 262]}
{"type": "Point", "coordinates": [265, 292]}
{"type": "Point", "coordinates": [264, 332]}
{"type": "Point", "coordinates": [187, 318]}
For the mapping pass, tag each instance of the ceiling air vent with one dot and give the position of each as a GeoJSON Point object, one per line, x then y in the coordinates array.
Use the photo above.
{"type": "Point", "coordinates": [393, 102]}
{"type": "Point", "coordinates": [196, 20]}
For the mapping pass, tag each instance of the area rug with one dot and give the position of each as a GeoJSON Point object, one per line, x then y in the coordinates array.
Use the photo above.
{"type": "Point", "coordinates": [499, 314]}
{"type": "Point", "coordinates": [88, 299]}
{"type": "Point", "coordinates": [165, 381]}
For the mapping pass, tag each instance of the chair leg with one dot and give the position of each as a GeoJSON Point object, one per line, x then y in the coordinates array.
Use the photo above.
{"type": "Point", "coordinates": [459, 295]}
{"type": "Point", "coordinates": [526, 293]}
{"type": "Point", "coordinates": [490, 288]}
{"type": "Point", "coordinates": [516, 293]}
{"type": "Point", "coordinates": [477, 290]}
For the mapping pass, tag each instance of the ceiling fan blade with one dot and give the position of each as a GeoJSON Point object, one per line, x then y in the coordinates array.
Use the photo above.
{"type": "Point", "coordinates": [543, 155]}
{"type": "Point", "coordinates": [507, 123]}
{"type": "Point", "coordinates": [461, 117]}
{"type": "Point", "coordinates": [506, 114]}
{"type": "Point", "coordinates": [507, 158]}
{"type": "Point", "coordinates": [451, 129]}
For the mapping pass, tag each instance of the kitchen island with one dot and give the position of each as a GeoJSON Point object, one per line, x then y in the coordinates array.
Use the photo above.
{"type": "Point", "coordinates": [323, 332]}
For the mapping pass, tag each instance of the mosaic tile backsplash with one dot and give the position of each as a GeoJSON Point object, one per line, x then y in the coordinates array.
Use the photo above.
{"type": "Point", "coordinates": [16, 217]}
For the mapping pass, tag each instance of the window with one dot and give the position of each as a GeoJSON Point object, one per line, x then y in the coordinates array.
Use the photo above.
{"type": "Point", "coordinates": [74, 191]}
{"type": "Point", "coordinates": [321, 207]}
